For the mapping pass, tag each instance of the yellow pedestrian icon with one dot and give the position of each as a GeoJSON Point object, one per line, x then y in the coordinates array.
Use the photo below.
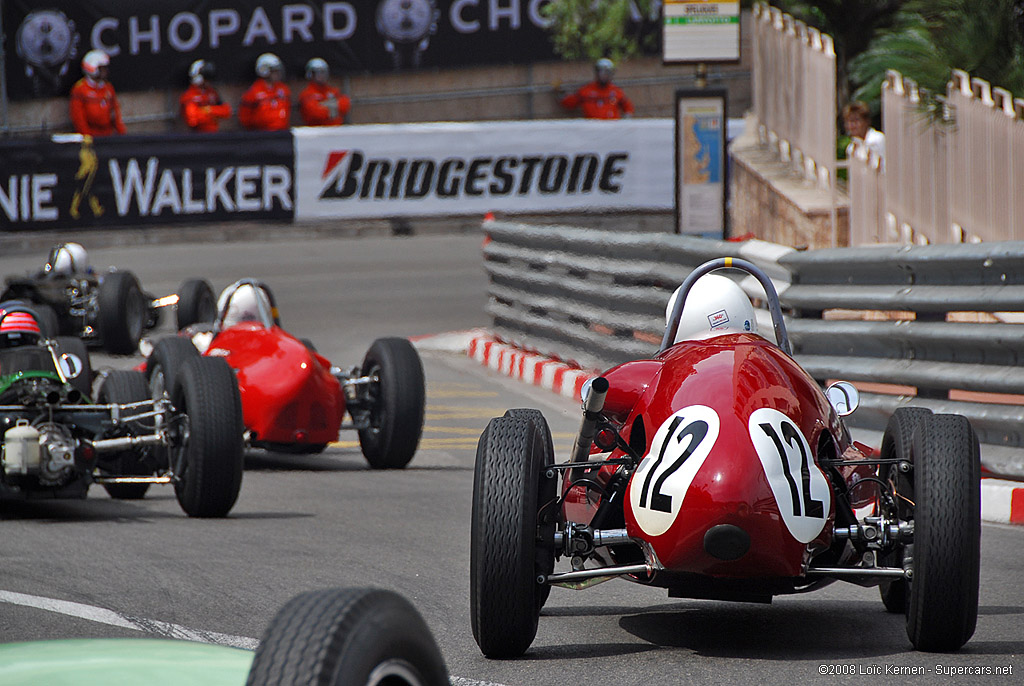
{"type": "Point", "coordinates": [89, 164]}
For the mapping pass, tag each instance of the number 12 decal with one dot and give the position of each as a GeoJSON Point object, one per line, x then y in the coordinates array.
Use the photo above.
{"type": "Point", "coordinates": [800, 488]}
{"type": "Point", "coordinates": [678, 449]}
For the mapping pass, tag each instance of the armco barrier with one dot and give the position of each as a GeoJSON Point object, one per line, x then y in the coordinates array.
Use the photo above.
{"type": "Point", "coordinates": [598, 298]}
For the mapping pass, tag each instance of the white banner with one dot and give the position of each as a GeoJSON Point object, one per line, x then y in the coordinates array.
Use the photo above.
{"type": "Point", "coordinates": [453, 168]}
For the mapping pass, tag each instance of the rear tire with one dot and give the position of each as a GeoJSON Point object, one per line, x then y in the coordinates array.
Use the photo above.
{"type": "Point", "coordinates": [896, 444]}
{"type": "Point", "coordinates": [196, 303]}
{"type": "Point", "coordinates": [510, 545]}
{"type": "Point", "coordinates": [943, 605]}
{"type": "Point", "coordinates": [122, 312]}
{"type": "Point", "coordinates": [124, 386]}
{"type": "Point", "coordinates": [348, 636]}
{"type": "Point", "coordinates": [209, 461]}
{"type": "Point", "coordinates": [397, 403]}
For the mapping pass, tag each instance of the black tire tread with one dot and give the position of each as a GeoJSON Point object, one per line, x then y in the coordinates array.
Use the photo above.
{"type": "Point", "coordinates": [337, 636]}
{"type": "Point", "coordinates": [117, 289]}
{"type": "Point", "coordinates": [207, 390]}
{"type": "Point", "coordinates": [943, 608]}
{"type": "Point", "coordinates": [508, 488]}
{"type": "Point", "coordinates": [896, 443]}
{"type": "Point", "coordinates": [195, 300]}
{"type": "Point", "coordinates": [403, 395]}
{"type": "Point", "coordinates": [170, 354]}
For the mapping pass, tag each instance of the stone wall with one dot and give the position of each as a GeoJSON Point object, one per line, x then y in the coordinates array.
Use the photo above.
{"type": "Point", "coordinates": [770, 201]}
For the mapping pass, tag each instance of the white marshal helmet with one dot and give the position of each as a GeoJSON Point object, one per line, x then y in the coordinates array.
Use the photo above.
{"type": "Point", "coordinates": [199, 71]}
{"type": "Point", "coordinates": [604, 64]}
{"type": "Point", "coordinates": [242, 303]}
{"type": "Point", "coordinates": [93, 60]}
{"type": "Point", "coordinates": [68, 258]}
{"type": "Point", "coordinates": [317, 65]}
{"type": "Point", "coordinates": [266, 63]}
{"type": "Point", "coordinates": [715, 305]}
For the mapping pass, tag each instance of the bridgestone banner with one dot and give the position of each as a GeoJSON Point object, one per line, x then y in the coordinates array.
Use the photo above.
{"type": "Point", "coordinates": [478, 167]}
{"type": "Point", "coordinates": [152, 42]}
{"type": "Point", "coordinates": [76, 181]}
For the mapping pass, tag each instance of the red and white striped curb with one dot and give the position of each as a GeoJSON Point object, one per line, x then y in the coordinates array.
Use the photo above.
{"type": "Point", "coordinates": [1002, 501]}
{"type": "Point", "coordinates": [550, 374]}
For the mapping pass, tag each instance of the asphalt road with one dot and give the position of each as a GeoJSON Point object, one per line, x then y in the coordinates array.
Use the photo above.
{"type": "Point", "coordinates": [138, 568]}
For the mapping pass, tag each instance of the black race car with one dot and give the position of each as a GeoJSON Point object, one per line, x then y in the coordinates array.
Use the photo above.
{"type": "Point", "coordinates": [58, 439]}
{"type": "Point", "coordinates": [107, 309]}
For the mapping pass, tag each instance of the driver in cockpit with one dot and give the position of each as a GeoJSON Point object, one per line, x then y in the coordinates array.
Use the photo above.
{"type": "Point", "coordinates": [715, 305]}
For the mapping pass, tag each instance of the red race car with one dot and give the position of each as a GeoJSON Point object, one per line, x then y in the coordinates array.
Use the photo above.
{"type": "Point", "coordinates": [720, 469]}
{"type": "Point", "coordinates": [293, 399]}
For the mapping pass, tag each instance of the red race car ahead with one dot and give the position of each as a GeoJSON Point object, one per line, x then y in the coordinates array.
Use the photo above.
{"type": "Point", "coordinates": [719, 469]}
{"type": "Point", "coordinates": [293, 399]}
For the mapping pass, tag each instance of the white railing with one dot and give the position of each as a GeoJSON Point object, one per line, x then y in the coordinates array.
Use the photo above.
{"type": "Point", "coordinates": [952, 180]}
{"type": "Point", "coordinates": [795, 92]}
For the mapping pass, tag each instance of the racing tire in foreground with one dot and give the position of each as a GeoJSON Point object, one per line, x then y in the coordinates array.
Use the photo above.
{"type": "Point", "coordinates": [120, 387]}
{"type": "Point", "coordinates": [509, 546]}
{"type": "Point", "coordinates": [208, 459]}
{"type": "Point", "coordinates": [122, 312]}
{"type": "Point", "coordinates": [337, 637]}
{"type": "Point", "coordinates": [547, 528]}
{"type": "Point", "coordinates": [943, 593]}
{"type": "Point", "coordinates": [896, 444]}
{"type": "Point", "coordinates": [196, 303]}
{"type": "Point", "coordinates": [165, 362]}
{"type": "Point", "coordinates": [79, 374]}
{"type": "Point", "coordinates": [397, 403]}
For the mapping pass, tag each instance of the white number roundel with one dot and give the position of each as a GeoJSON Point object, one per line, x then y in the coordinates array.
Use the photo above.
{"type": "Point", "coordinates": [678, 450]}
{"type": "Point", "coordinates": [800, 488]}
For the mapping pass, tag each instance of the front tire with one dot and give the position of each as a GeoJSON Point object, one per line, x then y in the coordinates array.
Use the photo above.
{"type": "Point", "coordinates": [896, 444]}
{"type": "Point", "coordinates": [511, 545]}
{"type": "Point", "coordinates": [122, 312]}
{"type": "Point", "coordinates": [209, 459]}
{"type": "Point", "coordinates": [348, 636]}
{"type": "Point", "coordinates": [166, 361]}
{"type": "Point", "coordinates": [120, 387]}
{"type": "Point", "coordinates": [943, 604]}
{"type": "Point", "coordinates": [397, 403]}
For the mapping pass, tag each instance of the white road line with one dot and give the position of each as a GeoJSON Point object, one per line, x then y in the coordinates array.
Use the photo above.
{"type": "Point", "coordinates": [104, 616]}
{"type": "Point", "coordinates": [164, 629]}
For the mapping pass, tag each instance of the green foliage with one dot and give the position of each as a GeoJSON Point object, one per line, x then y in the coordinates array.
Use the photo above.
{"type": "Point", "coordinates": [853, 24]}
{"type": "Point", "coordinates": [591, 29]}
{"type": "Point", "coordinates": [931, 37]}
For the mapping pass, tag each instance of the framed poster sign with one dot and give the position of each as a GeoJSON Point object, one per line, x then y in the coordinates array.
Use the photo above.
{"type": "Point", "coordinates": [700, 162]}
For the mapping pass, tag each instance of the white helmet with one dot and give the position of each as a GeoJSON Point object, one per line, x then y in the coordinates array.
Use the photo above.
{"type": "Point", "coordinates": [714, 306]}
{"type": "Point", "coordinates": [242, 303]}
{"type": "Point", "coordinates": [266, 63]}
{"type": "Point", "coordinates": [93, 60]}
{"type": "Point", "coordinates": [604, 64]}
{"type": "Point", "coordinates": [199, 71]}
{"type": "Point", "coordinates": [316, 66]}
{"type": "Point", "coordinates": [68, 258]}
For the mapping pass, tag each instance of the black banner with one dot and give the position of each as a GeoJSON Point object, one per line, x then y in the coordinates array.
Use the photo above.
{"type": "Point", "coordinates": [152, 42]}
{"type": "Point", "coordinates": [75, 181]}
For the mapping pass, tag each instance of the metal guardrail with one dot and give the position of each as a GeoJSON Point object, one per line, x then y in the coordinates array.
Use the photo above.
{"type": "Point", "coordinates": [598, 298]}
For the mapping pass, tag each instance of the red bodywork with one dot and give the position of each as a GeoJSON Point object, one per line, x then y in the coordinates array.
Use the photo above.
{"type": "Point", "coordinates": [289, 395]}
{"type": "Point", "coordinates": [731, 376]}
